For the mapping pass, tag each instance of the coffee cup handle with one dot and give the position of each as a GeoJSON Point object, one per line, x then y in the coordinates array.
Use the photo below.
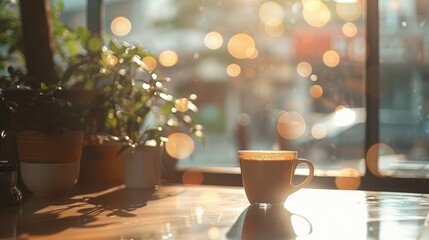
{"type": "Point", "coordinates": [310, 174]}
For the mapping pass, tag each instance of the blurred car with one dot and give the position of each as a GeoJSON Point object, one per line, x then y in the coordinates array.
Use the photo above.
{"type": "Point", "coordinates": [341, 135]}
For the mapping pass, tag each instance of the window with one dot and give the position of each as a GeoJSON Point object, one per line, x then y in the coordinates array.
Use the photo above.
{"type": "Point", "coordinates": [403, 57]}
{"type": "Point", "coordinates": [290, 75]}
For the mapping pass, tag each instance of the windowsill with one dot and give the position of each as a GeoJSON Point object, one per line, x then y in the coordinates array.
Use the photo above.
{"type": "Point", "coordinates": [230, 176]}
{"type": "Point", "coordinates": [301, 172]}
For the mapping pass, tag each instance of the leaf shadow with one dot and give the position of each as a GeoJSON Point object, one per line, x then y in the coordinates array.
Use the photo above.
{"type": "Point", "coordinates": [41, 216]}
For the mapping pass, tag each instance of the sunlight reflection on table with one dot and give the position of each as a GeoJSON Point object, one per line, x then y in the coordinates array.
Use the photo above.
{"type": "Point", "coordinates": [357, 215]}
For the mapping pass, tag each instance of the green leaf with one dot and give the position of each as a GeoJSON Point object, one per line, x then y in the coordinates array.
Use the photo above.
{"type": "Point", "coordinates": [43, 86]}
{"type": "Point", "coordinates": [114, 46]}
{"type": "Point", "coordinates": [60, 5]}
{"type": "Point", "coordinates": [83, 34]}
{"type": "Point", "coordinates": [72, 46]}
{"type": "Point", "coordinates": [94, 44]}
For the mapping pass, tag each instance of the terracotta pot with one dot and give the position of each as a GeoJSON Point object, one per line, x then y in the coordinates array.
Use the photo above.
{"type": "Point", "coordinates": [50, 163]}
{"type": "Point", "coordinates": [142, 167]}
{"type": "Point", "coordinates": [34, 147]}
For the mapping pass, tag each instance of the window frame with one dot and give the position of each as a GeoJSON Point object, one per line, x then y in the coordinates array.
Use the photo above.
{"type": "Point", "coordinates": [371, 180]}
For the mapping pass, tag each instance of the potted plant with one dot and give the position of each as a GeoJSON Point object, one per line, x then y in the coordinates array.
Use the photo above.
{"type": "Point", "coordinates": [49, 142]}
{"type": "Point", "coordinates": [139, 112]}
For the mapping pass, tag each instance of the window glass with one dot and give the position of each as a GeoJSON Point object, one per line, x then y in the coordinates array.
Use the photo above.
{"type": "Point", "coordinates": [404, 95]}
{"type": "Point", "coordinates": [268, 74]}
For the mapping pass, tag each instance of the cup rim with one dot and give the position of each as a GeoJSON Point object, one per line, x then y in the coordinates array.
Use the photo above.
{"type": "Point", "coordinates": [267, 151]}
{"type": "Point", "coordinates": [262, 154]}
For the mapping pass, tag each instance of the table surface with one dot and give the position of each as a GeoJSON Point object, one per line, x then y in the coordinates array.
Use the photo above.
{"type": "Point", "coordinates": [217, 212]}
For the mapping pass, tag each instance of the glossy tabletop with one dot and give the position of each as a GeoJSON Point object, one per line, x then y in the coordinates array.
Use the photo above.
{"type": "Point", "coordinates": [215, 212]}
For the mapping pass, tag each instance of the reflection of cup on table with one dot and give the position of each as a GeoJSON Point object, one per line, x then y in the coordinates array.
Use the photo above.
{"type": "Point", "coordinates": [274, 223]}
{"type": "Point", "coordinates": [268, 175]}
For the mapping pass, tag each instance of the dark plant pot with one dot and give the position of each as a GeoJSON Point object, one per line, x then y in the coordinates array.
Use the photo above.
{"type": "Point", "coordinates": [100, 165]}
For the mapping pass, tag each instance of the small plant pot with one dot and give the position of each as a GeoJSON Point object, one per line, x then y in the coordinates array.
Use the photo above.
{"type": "Point", "coordinates": [142, 167]}
{"type": "Point", "coordinates": [49, 163]}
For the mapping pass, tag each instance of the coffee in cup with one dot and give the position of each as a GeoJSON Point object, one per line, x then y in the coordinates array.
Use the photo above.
{"type": "Point", "coordinates": [268, 175]}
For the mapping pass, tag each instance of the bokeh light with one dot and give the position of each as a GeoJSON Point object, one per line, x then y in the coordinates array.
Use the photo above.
{"type": "Point", "coordinates": [150, 62]}
{"type": "Point", "coordinates": [349, 29]}
{"type": "Point", "coordinates": [112, 60]}
{"type": "Point", "coordinates": [181, 104]}
{"type": "Point", "coordinates": [331, 58]}
{"type": "Point", "coordinates": [316, 91]}
{"type": "Point", "coordinates": [348, 179]}
{"type": "Point", "coordinates": [372, 156]}
{"type": "Point", "coordinates": [233, 70]}
{"type": "Point", "coordinates": [304, 69]}
{"type": "Point", "coordinates": [319, 131]}
{"type": "Point", "coordinates": [180, 145]}
{"type": "Point", "coordinates": [290, 125]}
{"type": "Point", "coordinates": [242, 46]}
{"type": "Point", "coordinates": [271, 13]}
{"type": "Point", "coordinates": [193, 96]}
{"type": "Point", "coordinates": [213, 40]}
{"type": "Point", "coordinates": [120, 26]}
{"type": "Point", "coordinates": [192, 177]}
{"type": "Point", "coordinates": [253, 53]}
{"type": "Point", "coordinates": [168, 58]}
{"type": "Point", "coordinates": [349, 11]}
{"type": "Point", "coordinates": [344, 117]}
{"type": "Point", "coordinates": [316, 13]}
